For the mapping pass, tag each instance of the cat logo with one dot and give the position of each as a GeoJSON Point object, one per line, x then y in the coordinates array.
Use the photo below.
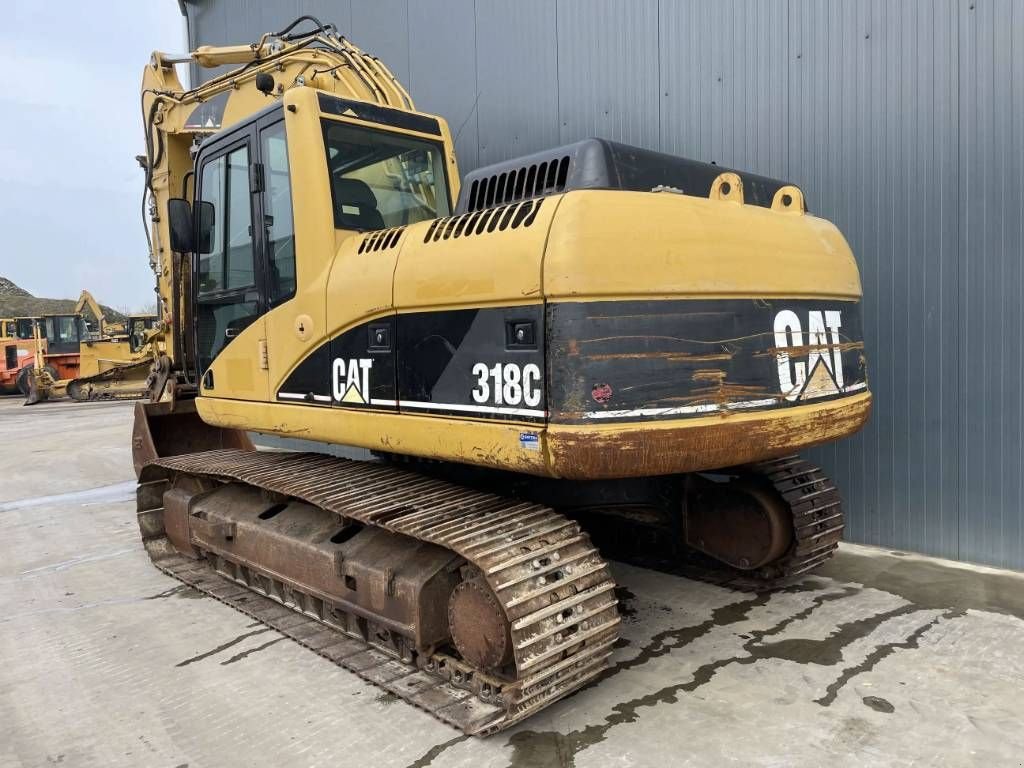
{"type": "Point", "coordinates": [822, 373]}
{"type": "Point", "coordinates": [352, 380]}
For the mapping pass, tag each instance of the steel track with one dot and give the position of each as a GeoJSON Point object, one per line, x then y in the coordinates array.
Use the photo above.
{"type": "Point", "coordinates": [554, 587]}
{"type": "Point", "coordinates": [817, 511]}
{"type": "Point", "coordinates": [107, 382]}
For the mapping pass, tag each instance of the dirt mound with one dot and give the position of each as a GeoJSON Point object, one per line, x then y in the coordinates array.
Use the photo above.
{"type": "Point", "coordinates": [17, 302]}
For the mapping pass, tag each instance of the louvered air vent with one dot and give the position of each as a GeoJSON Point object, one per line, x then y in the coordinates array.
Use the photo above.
{"type": "Point", "coordinates": [478, 222]}
{"type": "Point", "coordinates": [381, 240]}
{"type": "Point", "coordinates": [535, 180]}
{"type": "Point", "coordinates": [599, 164]}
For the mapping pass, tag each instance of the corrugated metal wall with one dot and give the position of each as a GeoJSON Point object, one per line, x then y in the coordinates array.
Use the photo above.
{"type": "Point", "coordinates": [903, 121]}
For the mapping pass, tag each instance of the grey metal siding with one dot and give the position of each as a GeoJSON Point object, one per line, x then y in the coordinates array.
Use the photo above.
{"type": "Point", "coordinates": [381, 27]}
{"type": "Point", "coordinates": [900, 119]}
{"type": "Point", "coordinates": [723, 83]}
{"type": "Point", "coordinates": [517, 78]}
{"type": "Point", "coordinates": [873, 142]}
{"type": "Point", "coordinates": [991, 99]}
{"type": "Point", "coordinates": [608, 70]}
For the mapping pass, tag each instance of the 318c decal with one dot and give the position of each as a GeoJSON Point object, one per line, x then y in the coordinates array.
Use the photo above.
{"type": "Point", "coordinates": [507, 384]}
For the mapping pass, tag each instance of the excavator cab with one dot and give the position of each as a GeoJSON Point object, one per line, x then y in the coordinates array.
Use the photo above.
{"type": "Point", "coordinates": [329, 167]}
{"type": "Point", "coordinates": [137, 328]}
{"type": "Point", "coordinates": [64, 333]}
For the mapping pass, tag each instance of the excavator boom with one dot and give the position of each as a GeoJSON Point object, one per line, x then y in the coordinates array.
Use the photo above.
{"type": "Point", "coordinates": [86, 301]}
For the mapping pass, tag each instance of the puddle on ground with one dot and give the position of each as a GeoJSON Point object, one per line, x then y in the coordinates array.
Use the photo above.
{"type": "Point", "coordinates": [105, 493]}
{"type": "Point", "coordinates": [930, 584]}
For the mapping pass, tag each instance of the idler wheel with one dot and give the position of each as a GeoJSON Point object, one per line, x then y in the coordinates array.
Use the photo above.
{"type": "Point", "coordinates": [743, 523]}
{"type": "Point", "coordinates": [479, 626]}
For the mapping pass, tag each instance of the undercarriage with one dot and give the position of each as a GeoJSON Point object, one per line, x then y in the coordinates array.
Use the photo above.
{"type": "Point", "coordinates": [479, 607]}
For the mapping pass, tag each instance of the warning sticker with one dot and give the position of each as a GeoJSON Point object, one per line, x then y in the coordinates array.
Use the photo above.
{"type": "Point", "coordinates": [529, 441]}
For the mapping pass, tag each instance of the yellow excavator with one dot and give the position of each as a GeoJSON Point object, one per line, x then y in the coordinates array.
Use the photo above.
{"type": "Point", "coordinates": [592, 340]}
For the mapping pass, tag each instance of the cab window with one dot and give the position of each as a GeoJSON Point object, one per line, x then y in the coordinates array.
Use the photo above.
{"type": "Point", "coordinates": [225, 186]}
{"type": "Point", "coordinates": [24, 329]}
{"type": "Point", "coordinates": [381, 179]}
{"type": "Point", "coordinates": [277, 214]}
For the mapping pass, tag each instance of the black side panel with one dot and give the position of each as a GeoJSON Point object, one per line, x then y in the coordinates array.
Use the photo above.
{"type": "Point", "coordinates": [648, 360]}
{"type": "Point", "coordinates": [476, 363]}
{"type": "Point", "coordinates": [310, 382]}
{"type": "Point", "coordinates": [363, 366]}
{"type": "Point", "coordinates": [469, 362]}
{"type": "Point", "coordinates": [353, 370]}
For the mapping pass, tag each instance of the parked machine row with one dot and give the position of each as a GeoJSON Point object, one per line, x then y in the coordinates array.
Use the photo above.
{"type": "Point", "coordinates": [54, 355]}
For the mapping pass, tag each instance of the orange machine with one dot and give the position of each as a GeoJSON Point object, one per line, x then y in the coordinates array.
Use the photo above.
{"type": "Point", "coordinates": [18, 348]}
{"type": "Point", "coordinates": [59, 340]}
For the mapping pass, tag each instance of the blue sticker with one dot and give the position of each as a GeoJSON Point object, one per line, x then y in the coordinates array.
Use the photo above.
{"type": "Point", "coordinates": [529, 441]}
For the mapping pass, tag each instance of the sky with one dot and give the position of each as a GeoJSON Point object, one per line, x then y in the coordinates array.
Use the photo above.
{"type": "Point", "coordinates": [70, 128]}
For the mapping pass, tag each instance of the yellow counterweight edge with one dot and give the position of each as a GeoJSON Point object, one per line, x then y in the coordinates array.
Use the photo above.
{"type": "Point", "coordinates": [633, 449]}
{"type": "Point", "coordinates": [645, 449]}
{"type": "Point", "coordinates": [472, 441]}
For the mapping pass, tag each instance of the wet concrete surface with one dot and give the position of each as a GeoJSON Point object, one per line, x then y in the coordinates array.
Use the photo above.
{"type": "Point", "coordinates": [881, 658]}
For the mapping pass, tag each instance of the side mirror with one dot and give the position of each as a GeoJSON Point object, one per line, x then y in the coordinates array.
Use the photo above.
{"type": "Point", "coordinates": [179, 217]}
{"type": "Point", "coordinates": [204, 232]}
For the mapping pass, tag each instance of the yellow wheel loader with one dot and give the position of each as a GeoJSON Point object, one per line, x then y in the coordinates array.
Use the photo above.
{"type": "Point", "coordinates": [593, 338]}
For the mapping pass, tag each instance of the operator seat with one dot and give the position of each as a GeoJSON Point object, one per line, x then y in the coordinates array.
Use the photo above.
{"type": "Point", "coordinates": [356, 205]}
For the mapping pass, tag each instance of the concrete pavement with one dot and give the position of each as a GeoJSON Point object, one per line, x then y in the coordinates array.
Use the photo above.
{"type": "Point", "coordinates": [882, 658]}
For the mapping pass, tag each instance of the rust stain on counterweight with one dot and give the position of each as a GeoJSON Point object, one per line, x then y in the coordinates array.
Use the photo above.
{"type": "Point", "coordinates": [641, 449]}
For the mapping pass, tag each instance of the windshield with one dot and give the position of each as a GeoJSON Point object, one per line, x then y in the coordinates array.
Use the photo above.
{"type": "Point", "coordinates": [24, 329]}
{"type": "Point", "coordinates": [381, 179]}
{"type": "Point", "coordinates": [63, 329]}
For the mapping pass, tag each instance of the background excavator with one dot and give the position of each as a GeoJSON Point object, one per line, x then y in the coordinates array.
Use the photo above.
{"type": "Point", "coordinates": [595, 339]}
{"type": "Point", "coordinates": [103, 329]}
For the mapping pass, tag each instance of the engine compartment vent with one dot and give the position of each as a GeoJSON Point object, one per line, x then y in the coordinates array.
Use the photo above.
{"type": "Point", "coordinates": [546, 177]}
{"type": "Point", "coordinates": [600, 164]}
{"type": "Point", "coordinates": [488, 220]}
{"type": "Point", "coordinates": [381, 240]}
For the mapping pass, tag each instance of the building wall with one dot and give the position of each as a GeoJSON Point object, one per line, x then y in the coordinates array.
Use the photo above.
{"type": "Point", "coordinates": [902, 122]}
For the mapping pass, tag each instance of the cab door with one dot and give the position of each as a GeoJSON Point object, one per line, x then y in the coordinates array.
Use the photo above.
{"type": "Point", "coordinates": [228, 281]}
